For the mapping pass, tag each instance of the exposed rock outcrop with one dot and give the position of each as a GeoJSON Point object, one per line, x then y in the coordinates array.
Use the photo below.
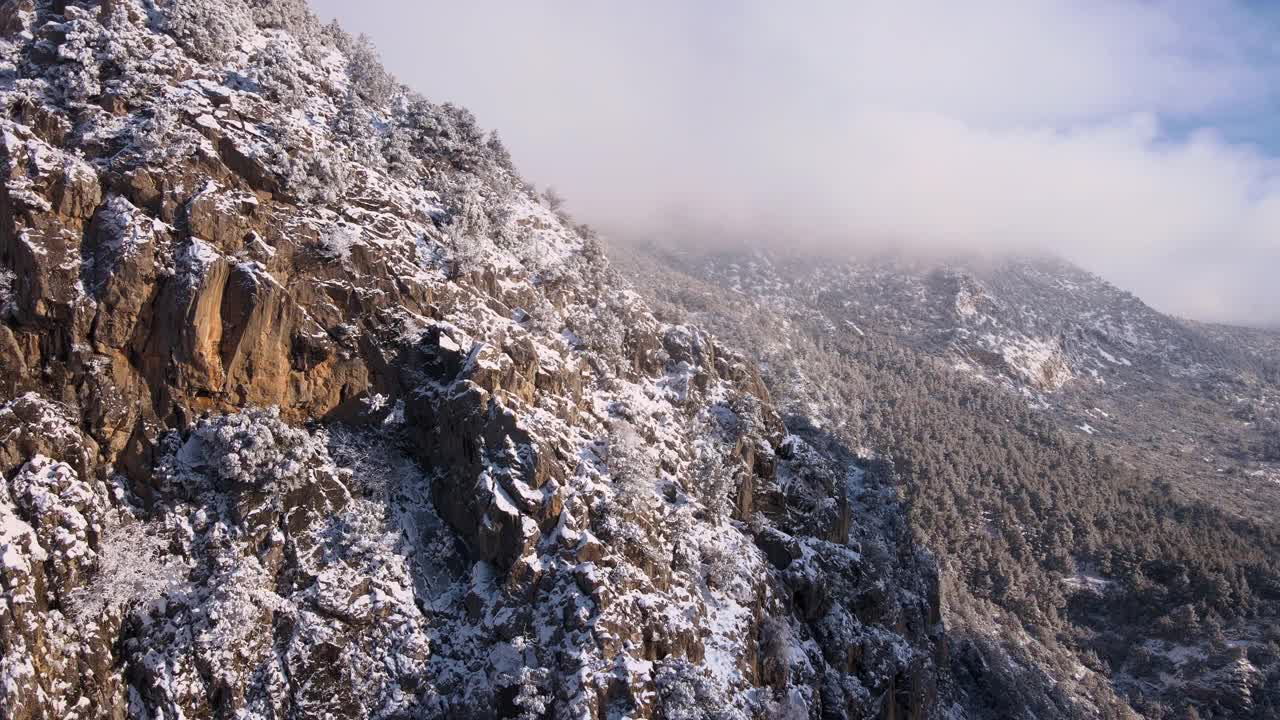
{"type": "Point", "coordinates": [491, 484]}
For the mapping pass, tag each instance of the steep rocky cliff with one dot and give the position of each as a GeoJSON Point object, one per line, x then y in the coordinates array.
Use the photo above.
{"type": "Point", "coordinates": [311, 407]}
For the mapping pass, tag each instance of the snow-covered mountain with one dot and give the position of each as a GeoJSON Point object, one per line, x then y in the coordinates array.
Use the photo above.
{"type": "Point", "coordinates": [1088, 471]}
{"type": "Point", "coordinates": [1096, 357]}
{"type": "Point", "coordinates": [312, 406]}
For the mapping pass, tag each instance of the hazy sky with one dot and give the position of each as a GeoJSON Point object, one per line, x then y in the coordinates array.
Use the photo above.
{"type": "Point", "coordinates": [1140, 139]}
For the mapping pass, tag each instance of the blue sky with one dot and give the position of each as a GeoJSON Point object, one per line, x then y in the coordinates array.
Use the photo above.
{"type": "Point", "coordinates": [1137, 138]}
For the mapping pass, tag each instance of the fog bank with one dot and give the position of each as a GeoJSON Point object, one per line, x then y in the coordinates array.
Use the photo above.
{"type": "Point", "coordinates": [1132, 138]}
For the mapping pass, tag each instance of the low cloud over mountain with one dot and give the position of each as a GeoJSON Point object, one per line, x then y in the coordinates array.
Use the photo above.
{"type": "Point", "coordinates": [1128, 137]}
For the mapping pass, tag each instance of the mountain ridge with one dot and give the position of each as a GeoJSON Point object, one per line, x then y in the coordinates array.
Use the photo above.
{"type": "Point", "coordinates": [313, 407]}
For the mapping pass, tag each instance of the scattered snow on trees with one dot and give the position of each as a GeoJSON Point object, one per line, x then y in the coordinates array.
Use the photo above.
{"type": "Point", "coordinates": [253, 448]}
{"type": "Point", "coordinates": [134, 566]}
{"type": "Point", "coordinates": [274, 69]}
{"type": "Point", "coordinates": [210, 31]}
{"type": "Point", "coordinates": [337, 242]}
{"type": "Point", "coordinates": [7, 280]}
{"type": "Point", "coordinates": [65, 511]}
{"type": "Point", "coordinates": [368, 78]}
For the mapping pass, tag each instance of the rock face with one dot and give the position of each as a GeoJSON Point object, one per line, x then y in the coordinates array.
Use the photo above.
{"type": "Point", "coordinates": [311, 408]}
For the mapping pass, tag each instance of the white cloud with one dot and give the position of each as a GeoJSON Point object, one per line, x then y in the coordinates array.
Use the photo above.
{"type": "Point", "coordinates": [1034, 124]}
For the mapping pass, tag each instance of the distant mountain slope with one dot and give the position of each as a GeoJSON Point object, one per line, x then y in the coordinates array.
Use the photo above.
{"type": "Point", "coordinates": [1205, 399]}
{"type": "Point", "coordinates": [1071, 542]}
